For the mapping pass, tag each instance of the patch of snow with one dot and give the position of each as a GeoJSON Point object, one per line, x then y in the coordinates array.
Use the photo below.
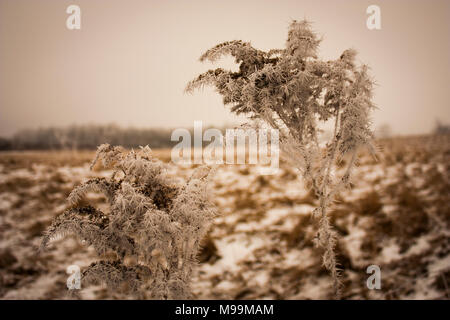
{"type": "Point", "coordinates": [233, 250]}
{"type": "Point", "coordinates": [390, 252]}
{"type": "Point", "coordinates": [7, 200]}
{"type": "Point", "coordinates": [420, 246]}
{"type": "Point", "coordinates": [298, 258]}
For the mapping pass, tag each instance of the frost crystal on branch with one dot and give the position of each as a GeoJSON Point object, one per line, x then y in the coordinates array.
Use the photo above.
{"type": "Point", "coordinates": [150, 236]}
{"type": "Point", "coordinates": [293, 91]}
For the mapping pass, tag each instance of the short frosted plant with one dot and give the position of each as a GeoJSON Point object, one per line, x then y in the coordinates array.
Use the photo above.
{"type": "Point", "coordinates": [149, 238]}
{"type": "Point", "coordinates": [293, 91]}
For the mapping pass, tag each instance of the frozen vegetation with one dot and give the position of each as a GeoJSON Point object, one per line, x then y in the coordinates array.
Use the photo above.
{"type": "Point", "coordinates": [396, 215]}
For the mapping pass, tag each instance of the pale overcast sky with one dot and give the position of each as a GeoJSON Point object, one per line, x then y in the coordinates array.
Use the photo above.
{"type": "Point", "coordinates": [131, 59]}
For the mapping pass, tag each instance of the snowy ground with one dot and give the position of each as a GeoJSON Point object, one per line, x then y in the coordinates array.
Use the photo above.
{"type": "Point", "coordinates": [397, 216]}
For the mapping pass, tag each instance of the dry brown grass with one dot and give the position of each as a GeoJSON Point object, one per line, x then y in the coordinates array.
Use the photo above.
{"type": "Point", "coordinates": [392, 209]}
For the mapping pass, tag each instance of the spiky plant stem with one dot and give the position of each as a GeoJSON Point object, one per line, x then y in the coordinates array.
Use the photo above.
{"type": "Point", "coordinates": [291, 90]}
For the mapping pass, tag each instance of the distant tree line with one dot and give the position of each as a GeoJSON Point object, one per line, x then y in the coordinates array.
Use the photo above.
{"type": "Point", "coordinates": [441, 128]}
{"type": "Point", "coordinates": [86, 137]}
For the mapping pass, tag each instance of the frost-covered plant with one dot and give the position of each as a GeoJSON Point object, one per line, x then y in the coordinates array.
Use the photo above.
{"type": "Point", "coordinates": [149, 238]}
{"type": "Point", "coordinates": [293, 91]}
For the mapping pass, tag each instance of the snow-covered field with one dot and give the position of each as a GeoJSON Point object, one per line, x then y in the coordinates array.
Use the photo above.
{"type": "Point", "coordinates": [396, 216]}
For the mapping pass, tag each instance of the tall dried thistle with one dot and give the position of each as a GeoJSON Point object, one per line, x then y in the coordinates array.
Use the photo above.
{"type": "Point", "coordinates": [293, 91]}
{"type": "Point", "coordinates": [149, 239]}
